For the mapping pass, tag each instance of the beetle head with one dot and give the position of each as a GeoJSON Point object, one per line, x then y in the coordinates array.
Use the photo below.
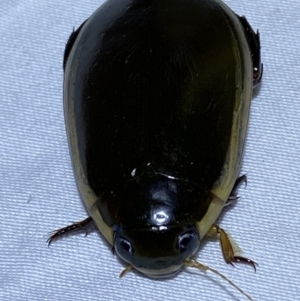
{"type": "Point", "coordinates": [157, 251]}
{"type": "Point", "coordinates": [153, 219]}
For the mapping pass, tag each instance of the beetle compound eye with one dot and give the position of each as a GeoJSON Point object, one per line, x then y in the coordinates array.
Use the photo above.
{"type": "Point", "coordinates": [188, 243]}
{"type": "Point", "coordinates": [125, 245]}
{"type": "Point", "coordinates": [124, 248]}
{"type": "Point", "coordinates": [185, 241]}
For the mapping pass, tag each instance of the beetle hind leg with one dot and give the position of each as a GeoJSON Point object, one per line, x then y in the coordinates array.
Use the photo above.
{"type": "Point", "coordinates": [82, 225]}
{"type": "Point", "coordinates": [70, 44]}
{"type": "Point", "coordinates": [253, 39]}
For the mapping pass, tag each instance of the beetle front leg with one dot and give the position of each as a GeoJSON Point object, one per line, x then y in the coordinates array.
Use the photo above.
{"type": "Point", "coordinates": [86, 223]}
{"type": "Point", "coordinates": [228, 249]}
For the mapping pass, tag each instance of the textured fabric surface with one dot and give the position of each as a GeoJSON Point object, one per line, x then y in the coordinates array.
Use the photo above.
{"type": "Point", "coordinates": [38, 193]}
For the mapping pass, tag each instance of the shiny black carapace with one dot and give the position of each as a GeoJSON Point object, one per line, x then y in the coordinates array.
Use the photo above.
{"type": "Point", "coordinates": [157, 97]}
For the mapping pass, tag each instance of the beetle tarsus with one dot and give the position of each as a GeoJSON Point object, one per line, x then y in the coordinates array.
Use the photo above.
{"type": "Point", "coordinates": [70, 228]}
{"type": "Point", "coordinates": [241, 259]}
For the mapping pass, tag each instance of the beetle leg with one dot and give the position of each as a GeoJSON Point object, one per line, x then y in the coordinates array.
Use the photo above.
{"type": "Point", "coordinates": [228, 248]}
{"type": "Point", "coordinates": [70, 43]}
{"type": "Point", "coordinates": [88, 222]}
{"type": "Point", "coordinates": [233, 195]}
{"type": "Point", "coordinates": [254, 44]}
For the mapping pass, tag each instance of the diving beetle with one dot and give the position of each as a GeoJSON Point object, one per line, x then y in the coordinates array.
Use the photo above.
{"type": "Point", "coordinates": [156, 99]}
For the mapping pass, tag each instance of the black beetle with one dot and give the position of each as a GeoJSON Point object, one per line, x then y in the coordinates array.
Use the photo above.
{"type": "Point", "coordinates": [157, 97]}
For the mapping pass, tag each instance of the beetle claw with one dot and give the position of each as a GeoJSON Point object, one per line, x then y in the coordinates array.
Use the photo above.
{"type": "Point", "coordinates": [241, 259]}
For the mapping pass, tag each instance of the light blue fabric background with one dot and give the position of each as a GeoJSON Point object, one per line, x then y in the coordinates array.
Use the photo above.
{"type": "Point", "coordinates": [38, 193]}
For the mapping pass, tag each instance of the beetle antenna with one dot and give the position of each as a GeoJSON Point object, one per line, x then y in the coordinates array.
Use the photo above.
{"type": "Point", "coordinates": [195, 264]}
{"type": "Point", "coordinates": [125, 271]}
